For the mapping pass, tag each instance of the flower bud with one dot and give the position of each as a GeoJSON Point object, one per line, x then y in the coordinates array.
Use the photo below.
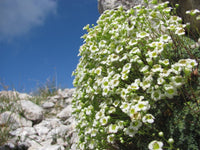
{"type": "Point", "coordinates": [170, 141]}
{"type": "Point", "coordinates": [161, 134]}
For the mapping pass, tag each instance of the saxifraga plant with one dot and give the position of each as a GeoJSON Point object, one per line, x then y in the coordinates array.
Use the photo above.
{"type": "Point", "coordinates": [136, 77]}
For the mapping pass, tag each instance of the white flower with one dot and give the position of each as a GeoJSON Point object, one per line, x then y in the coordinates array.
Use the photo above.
{"type": "Point", "coordinates": [180, 31]}
{"type": "Point", "coordinates": [153, 44]}
{"type": "Point", "coordinates": [160, 81]}
{"type": "Point", "coordinates": [165, 38]}
{"type": "Point", "coordinates": [104, 120]}
{"type": "Point", "coordinates": [142, 106]}
{"type": "Point", "coordinates": [92, 144]}
{"type": "Point", "coordinates": [156, 68]}
{"type": "Point", "coordinates": [175, 19]}
{"type": "Point", "coordinates": [110, 138]}
{"type": "Point", "coordinates": [124, 76]}
{"type": "Point", "coordinates": [120, 124]}
{"type": "Point", "coordinates": [132, 42]}
{"type": "Point", "coordinates": [156, 95]}
{"type": "Point", "coordinates": [164, 62]}
{"type": "Point", "coordinates": [100, 114]}
{"type": "Point", "coordinates": [136, 124]}
{"type": "Point", "coordinates": [88, 130]}
{"type": "Point", "coordinates": [88, 112]}
{"type": "Point", "coordinates": [148, 118]}
{"type": "Point", "coordinates": [166, 73]}
{"type": "Point", "coordinates": [192, 62]}
{"type": "Point", "coordinates": [144, 69]}
{"type": "Point", "coordinates": [114, 83]}
{"type": "Point", "coordinates": [130, 131]}
{"type": "Point", "coordinates": [135, 58]}
{"type": "Point", "coordinates": [124, 57]}
{"type": "Point", "coordinates": [132, 111]}
{"type": "Point", "coordinates": [93, 48]}
{"type": "Point", "coordinates": [111, 110]}
{"type": "Point", "coordinates": [116, 103]}
{"type": "Point", "coordinates": [155, 145]}
{"type": "Point", "coordinates": [167, 10]}
{"type": "Point", "coordinates": [98, 70]}
{"type": "Point", "coordinates": [127, 67]}
{"type": "Point", "coordinates": [198, 17]}
{"type": "Point", "coordinates": [105, 91]}
{"type": "Point", "coordinates": [170, 91]}
{"type": "Point", "coordinates": [134, 86]}
{"type": "Point", "coordinates": [93, 132]}
{"type": "Point", "coordinates": [153, 54]}
{"type": "Point", "coordinates": [116, 76]}
{"type": "Point", "coordinates": [114, 57]}
{"type": "Point", "coordinates": [113, 128]}
{"type": "Point", "coordinates": [135, 50]}
{"type": "Point", "coordinates": [145, 84]}
{"type": "Point", "coordinates": [105, 82]}
{"type": "Point", "coordinates": [102, 43]}
{"type": "Point", "coordinates": [177, 81]}
{"type": "Point", "coordinates": [82, 146]}
{"type": "Point", "coordinates": [192, 12]}
{"type": "Point", "coordinates": [125, 107]}
{"type": "Point", "coordinates": [142, 34]}
{"type": "Point", "coordinates": [119, 49]}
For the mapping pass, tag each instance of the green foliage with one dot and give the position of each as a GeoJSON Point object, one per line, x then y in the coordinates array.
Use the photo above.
{"type": "Point", "coordinates": [6, 104]}
{"type": "Point", "coordinates": [137, 76]}
{"type": "Point", "coordinates": [47, 89]}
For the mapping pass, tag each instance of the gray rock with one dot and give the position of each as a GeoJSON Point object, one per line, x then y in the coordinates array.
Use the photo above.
{"type": "Point", "coordinates": [52, 147]}
{"type": "Point", "coordinates": [112, 4]}
{"type": "Point", "coordinates": [9, 94]}
{"type": "Point", "coordinates": [14, 120]}
{"type": "Point", "coordinates": [31, 111]}
{"type": "Point", "coordinates": [65, 113]}
{"type": "Point", "coordinates": [59, 131]}
{"type": "Point", "coordinates": [42, 131]}
{"type": "Point", "coordinates": [50, 133]}
{"type": "Point", "coordinates": [46, 145]}
{"type": "Point", "coordinates": [24, 133]}
{"type": "Point", "coordinates": [47, 105]}
{"type": "Point", "coordinates": [24, 96]}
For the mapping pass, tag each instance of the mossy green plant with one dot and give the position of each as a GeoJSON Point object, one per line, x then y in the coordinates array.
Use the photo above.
{"type": "Point", "coordinates": [135, 68]}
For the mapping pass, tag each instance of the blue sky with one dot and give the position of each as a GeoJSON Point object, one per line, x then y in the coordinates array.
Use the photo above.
{"type": "Point", "coordinates": [40, 39]}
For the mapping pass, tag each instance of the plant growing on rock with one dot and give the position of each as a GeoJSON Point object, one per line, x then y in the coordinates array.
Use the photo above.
{"type": "Point", "coordinates": [135, 74]}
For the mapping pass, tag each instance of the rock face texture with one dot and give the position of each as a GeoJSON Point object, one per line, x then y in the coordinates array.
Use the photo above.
{"type": "Point", "coordinates": [111, 4]}
{"type": "Point", "coordinates": [45, 126]}
{"type": "Point", "coordinates": [184, 5]}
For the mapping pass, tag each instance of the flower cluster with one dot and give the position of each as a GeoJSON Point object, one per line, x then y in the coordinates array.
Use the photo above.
{"type": "Point", "coordinates": [125, 67]}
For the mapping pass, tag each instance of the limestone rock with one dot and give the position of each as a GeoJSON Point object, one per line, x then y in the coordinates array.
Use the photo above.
{"type": "Point", "coordinates": [9, 94]}
{"type": "Point", "coordinates": [24, 96]}
{"type": "Point", "coordinates": [45, 131]}
{"type": "Point", "coordinates": [65, 113]}
{"type": "Point", "coordinates": [31, 111]}
{"type": "Point", "coordinates": [112, 4]}
{"type": "Point", "coordinates": [24, 133]}
{"type": "Point", "coordinates": [14, 120]}
{"type": "Point", "coordinates": [47, 105]}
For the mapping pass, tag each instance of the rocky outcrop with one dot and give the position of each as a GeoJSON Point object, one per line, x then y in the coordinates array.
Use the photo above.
{"type": "Point", "coordinates": [47, 126]}
{"type": "Point", "coordinates": [184, 5]}
{"type": "Point", "coordinates": [112, 4]}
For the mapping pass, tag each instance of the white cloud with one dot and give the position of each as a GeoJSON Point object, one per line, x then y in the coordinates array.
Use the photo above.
{"type": "Point", "coordinates": [17, 17]}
